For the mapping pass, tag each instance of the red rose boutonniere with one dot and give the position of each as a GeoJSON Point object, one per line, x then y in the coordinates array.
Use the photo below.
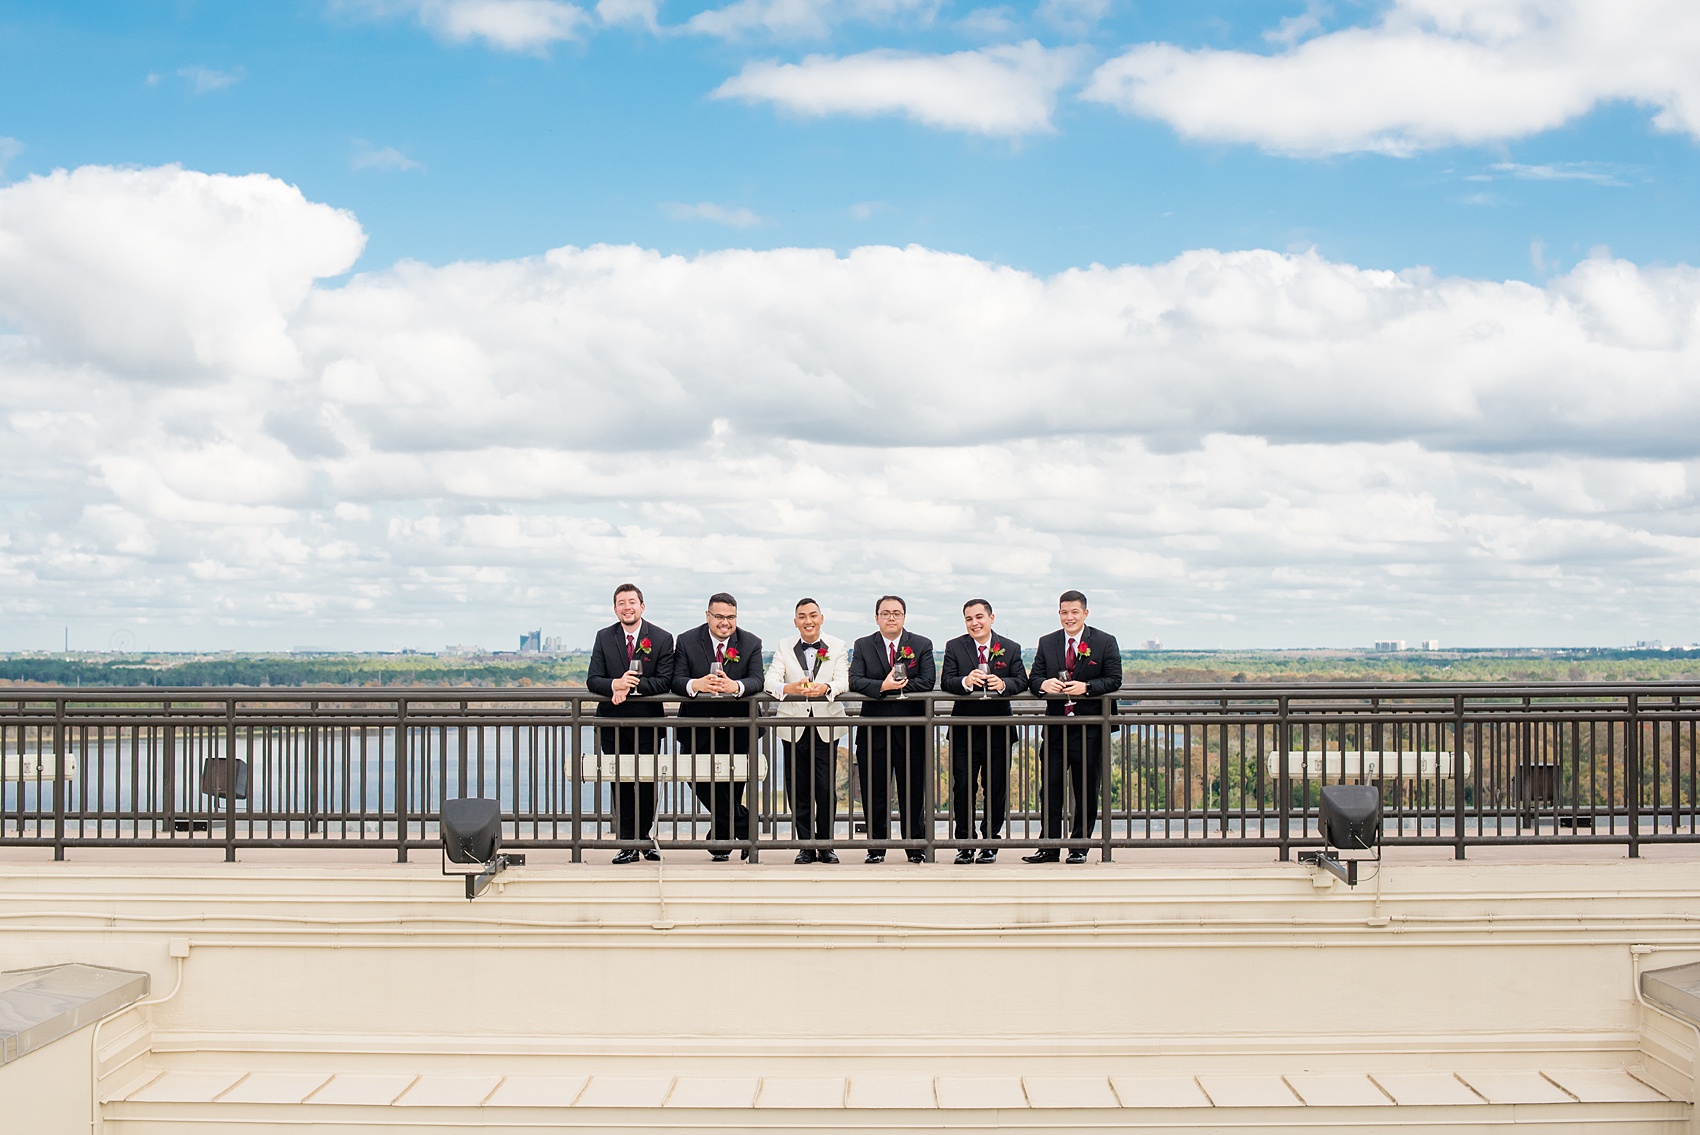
{"type": "Point", "coordinates": [997, 649]}
{"type": "Point", "coordinates": [820, 653]}
{"type": "Point", "coordinates": [644, 646]}
{"type": "Point", "coordinates": [907, 654]}
{"type": "Point", "coordinates": [1083, 651]}
{"type": "Point", "coordinates": [731, 654]}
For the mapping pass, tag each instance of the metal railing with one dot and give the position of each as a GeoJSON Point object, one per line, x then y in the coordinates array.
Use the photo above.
{"type": "Point", "coordinates": [1179, 766]}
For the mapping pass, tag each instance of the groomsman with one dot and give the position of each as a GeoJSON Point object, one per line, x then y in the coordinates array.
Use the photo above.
{"type": "Point", "coordinates": [882, 750]}
{"type": "Point", "coordinates": [1075, 663]}
{"type": "Point", "coordinates": [987, 667]}
{"type": "Point", "coordinates": [717, 669]}
{"type": "Point", "coordinates": [631, 665]}
{"type": "Point", "coordinates": [810, 672]}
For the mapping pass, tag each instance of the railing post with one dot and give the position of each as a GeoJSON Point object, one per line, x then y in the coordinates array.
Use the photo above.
{"type": "Point", "coordinates": [753, 784]}
{"type": "Point", "coordinates": [929, 798]}
{"type": "Point", "coordinates": [1632, 758]}
{"type": "Point", "coordinates": [575, 782]}
{"type": "Point", "coordinates": [58, 779]}
{"type": "Point", "coordinates": [1284, 781]}
{"type": "Point", "coordinates": [168, 771]}
{"type": "Point", "coordinates": [1104, 768]}
{"type": "Point", "coordinates": [401, 769]}
{"type": "Point", "coordinates": [230, 779]}
{"type": "Point", "coordinates": [1458, 775]}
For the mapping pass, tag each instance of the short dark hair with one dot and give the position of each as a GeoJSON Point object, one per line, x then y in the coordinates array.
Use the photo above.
{"type": "Point", "coordinates": [722, 597]}
{"type": "Point", "coordinates": [1071, 597]}
{"type": "Point", "coordinates": [625, 587]}
{"type": "Point", "coordinates": [880, 602]}
{"type": "Point", "coordinates": [977, 603]}
{"type": "Point", "coordinates": [804, 602]}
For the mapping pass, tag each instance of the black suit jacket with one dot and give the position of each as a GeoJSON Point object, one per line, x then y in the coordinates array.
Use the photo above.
{"type": "Point", "coordinates": [869, 667]}
{"type": "Point", "coordinates": [1100, 667]}
{"type": "Point", "coordinates": [692, 657]}
{"type": "Point", "coordinates": [962, 655]}
{"type": "Point", "coordinates": [608, 661]}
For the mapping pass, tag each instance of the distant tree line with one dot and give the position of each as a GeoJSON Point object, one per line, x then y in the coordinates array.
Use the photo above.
{"type": "Point", "coordinates": [283, 670]}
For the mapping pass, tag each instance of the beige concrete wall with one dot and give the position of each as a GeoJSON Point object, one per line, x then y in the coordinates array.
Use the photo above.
{"type": "Point", "coordinates": [47, 1092]}
{"type": "Point", "coordinates": [1100, 968]}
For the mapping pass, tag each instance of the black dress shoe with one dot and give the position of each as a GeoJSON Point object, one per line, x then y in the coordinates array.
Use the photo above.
{"type": "Point", "coordinates": [652, 855]}
{"type": "Point", "coordinates": [987, 855]}
{"type": "Point", "coordinates": [1077, 855]}
{"type": "Point", "coordinates": [805, 856]}
{"type": "Point", "coordinates": [719, 856]}
{"type": "Point", "coordinates": [827, 856]}
{"type": "Point", "coordinates": [1043, 855]}
{"type": "Point", "coordinates": [743, 855]}
{"type": "Point", "coordinates": [917, 856]}
{"type": "Point", "coordinates": [875, 857]}
{"type": "Point", "coordinates": [966, 855]}
{"type": "Point", "coordinates": [629, 855]}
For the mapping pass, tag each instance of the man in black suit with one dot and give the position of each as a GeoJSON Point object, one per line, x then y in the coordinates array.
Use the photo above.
{"type": "Point", "coordinates": [631, 665]}
{"type": "Point", "coordinates": [717, 668]}
{"type": "Point", "coordinates": [1073, 663]}
{"type": "Point", "coordinates": [986, 667]}
{"type": "Point", "coordinates": [882, 750]}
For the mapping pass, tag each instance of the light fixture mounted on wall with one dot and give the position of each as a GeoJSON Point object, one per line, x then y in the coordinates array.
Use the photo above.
{"type": "Point", "coordinates": [471, 830]}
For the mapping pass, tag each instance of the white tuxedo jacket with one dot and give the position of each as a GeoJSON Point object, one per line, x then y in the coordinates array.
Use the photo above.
{"type": "Point", "coordinates": [834, 672]}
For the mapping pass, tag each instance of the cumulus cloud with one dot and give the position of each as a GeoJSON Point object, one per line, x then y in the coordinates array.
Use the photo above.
{"type": "Point", "coordinates": [1005, 90]}
{"type": "Point", "coordinates": [1430, 73]}
{"type": "Point", "coordinates": [510, 25]}
{"type": "Point", "coordinates": [1227, 448]}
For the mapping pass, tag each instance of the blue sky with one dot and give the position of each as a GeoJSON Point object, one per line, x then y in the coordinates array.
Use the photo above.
{"type": "Point", "coordinates": [397, 323]}
{"type": "Point", "coordinates": [586, 141]}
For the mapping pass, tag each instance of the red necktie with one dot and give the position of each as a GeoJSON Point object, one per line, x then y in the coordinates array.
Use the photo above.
{"type": "Point", "coordinates": [893, 647]}
{"type": "Point", "coordinates": [720, 653]}
{"type": "Point", "coordinates": [982, 654]}
{"type": "Point", "coordinates": [631, 649]}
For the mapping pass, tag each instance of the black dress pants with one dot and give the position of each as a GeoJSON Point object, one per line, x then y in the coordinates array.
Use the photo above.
{"type": "Point", "coordinates": [724, 799]}
{"type": "Point", "coordinates": [979, 763]}
{"type": "Point", "coordinates": [634, 799]}
{"type": "Point", "coordinates": [884, 751]}
{"type": "Point", "coordinates": [1083, 761]}
{"type": "Point", "coordinates": [811, 777]}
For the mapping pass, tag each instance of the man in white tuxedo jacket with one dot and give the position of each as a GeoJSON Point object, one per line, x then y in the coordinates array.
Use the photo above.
{"type": "Point", "coordinates": [808, 674]}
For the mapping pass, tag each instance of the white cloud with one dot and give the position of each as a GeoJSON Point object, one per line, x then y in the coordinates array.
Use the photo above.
{"type": "Point", "coordinates": [805, 19]}
{"type": "Point", "coordinates": [1075, 17]}
{"type": "Point", "coordinates": [206, 79]}
{"type": "Point", "coordinates": [738, 218]}
{"type": "Point", "coordinates": [1431, 73]}
{"type": "Point", "coordinates": [1230, 447]}
{"type": "Point", "coordinates": [388, 158]}
{"type": "Point", "coordinates": [1595, 172]}
{"type": "Point", "coordinates": [511, 25]}
{"type": "Point", "coordinates": [1006, 90]}
{"type": "Point", "coordinates": [645, 12]}
{"type": "Point", "coordinates": [10, 148]}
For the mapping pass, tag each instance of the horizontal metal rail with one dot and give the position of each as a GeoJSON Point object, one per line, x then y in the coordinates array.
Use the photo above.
{"type": "Point", "coordinates": [1240, 764]}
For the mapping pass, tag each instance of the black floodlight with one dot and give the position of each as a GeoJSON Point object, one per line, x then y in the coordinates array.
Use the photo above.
{"type": "Point", "coordinates": [471, 830]}
{"type": "Point", "coordinates": [1349, 818]}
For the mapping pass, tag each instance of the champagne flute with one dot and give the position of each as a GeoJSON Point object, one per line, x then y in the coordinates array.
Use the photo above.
{"type": "Point", "coordinates": [985, 669]}
{"type": "Point", "coordinates": [718, 669]}
{"type": "Point", "coordinates": [899, 670]}
{"type": "Point", "coordinates": [1068, 676]}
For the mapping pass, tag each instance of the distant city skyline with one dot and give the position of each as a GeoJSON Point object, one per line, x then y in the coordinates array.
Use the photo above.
{"type": "Point", "coordinates": [387, 324]}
